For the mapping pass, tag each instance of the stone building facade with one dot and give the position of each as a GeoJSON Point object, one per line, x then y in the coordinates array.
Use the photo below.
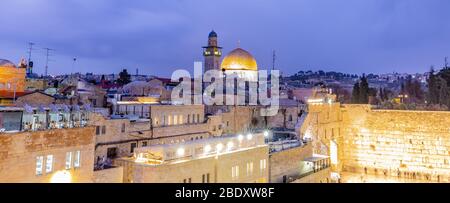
{"type": "Point", "coordinates": [213, 160]}
{"type": "Point", "coordinates": [166, 124]}
{"type": "Point", "coordinates": [389, 143]}
{"type": "Point", "coordinates": [58, 155]}
{"type": "Point", "coordinates": [287, 163]}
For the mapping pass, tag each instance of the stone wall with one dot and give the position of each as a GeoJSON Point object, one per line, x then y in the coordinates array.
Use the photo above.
{"type": "Point", "coordinates": [287, 163]}
{"type": "Point", "coordinates": [112, 175]}
{"type": "Point", "coordinates": [219, 168]}
{"type": "Point", "coordinates": [322, 176]}
{"type": "Point", "coordinates": [405, 144]}
{"type": "Point", "coordinates": [19, 151]}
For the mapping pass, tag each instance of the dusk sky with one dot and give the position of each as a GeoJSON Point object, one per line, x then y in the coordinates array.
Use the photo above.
{"type": "Point", "coordinates": [160, 36]}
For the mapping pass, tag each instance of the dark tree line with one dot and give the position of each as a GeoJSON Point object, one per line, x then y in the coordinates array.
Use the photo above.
{"type": "Point", "coordinates": [361, 91]}
{"type": "Point", "coordinates": [438, 87]}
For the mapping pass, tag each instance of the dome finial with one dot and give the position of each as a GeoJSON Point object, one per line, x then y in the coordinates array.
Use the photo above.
{"type": "Point", "coordinates": [239, 43]}
{"type": "Point", "coordinates": [212, 34]}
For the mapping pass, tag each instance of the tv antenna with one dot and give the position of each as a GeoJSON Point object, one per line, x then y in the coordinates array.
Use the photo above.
{"type": "Point", "coordinates": [274, 58]}
{"type": "Point", "coordinates": [48, 54]}
{"type": "Point", "coordinates": [30, 63]}
{"type": "Point", "coordinates": [446, 62]}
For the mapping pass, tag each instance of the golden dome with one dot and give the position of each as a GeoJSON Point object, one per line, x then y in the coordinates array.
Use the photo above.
{"type": "Point", "coordinates": [239, 59]}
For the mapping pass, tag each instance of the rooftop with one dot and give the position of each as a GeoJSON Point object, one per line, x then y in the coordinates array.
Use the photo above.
{"type": "Point", "coordinates": [197, 149]}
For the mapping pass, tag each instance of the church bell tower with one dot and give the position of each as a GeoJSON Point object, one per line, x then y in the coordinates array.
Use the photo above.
{"type": "Point", "coordinates": [212, 53]}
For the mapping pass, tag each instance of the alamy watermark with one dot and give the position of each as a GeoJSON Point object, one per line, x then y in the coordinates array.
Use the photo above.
{"type": "Point", "coordinates": [216, 87]}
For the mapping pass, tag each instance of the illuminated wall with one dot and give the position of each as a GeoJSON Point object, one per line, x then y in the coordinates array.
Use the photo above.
{"type": "Point", "coordinates": [20, 152]}
{"type": "Point", "coordinates": [405, 144]}
{"type": "Point", "coordinates": [12, 78]}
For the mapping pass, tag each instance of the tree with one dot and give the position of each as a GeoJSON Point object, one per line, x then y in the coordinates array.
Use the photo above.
{"type": "Point", "coordinates": [381, 94]}
{"type": "Point", "coordinates": [364, 91]}
{"type": "Point", "coordinates": [433, 88]}
{"type": "Point", "coordinates": [124, 77]}
{"type": "Point", "coordinates": [355, 94]}
{"type": "Point", "coordinates": [443, 92]}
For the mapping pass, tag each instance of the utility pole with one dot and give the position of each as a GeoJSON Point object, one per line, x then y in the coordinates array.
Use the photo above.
{"type": "Point", "coordinates": [48, 50]}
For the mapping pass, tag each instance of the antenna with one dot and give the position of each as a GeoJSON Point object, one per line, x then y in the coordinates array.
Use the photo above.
{"type": "Point", "coordinates": [73, 64]}
{"type": "Point", "coordinates": [48, 50]}
{"type": "Point", "coordinates": [30, 63]}
{"type": "Point", "coordinates": [446, 62]}
{"type": "Point", "coordinates": [274, 58]}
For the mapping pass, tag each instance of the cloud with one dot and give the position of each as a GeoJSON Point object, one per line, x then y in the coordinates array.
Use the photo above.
{"type": "Point", "coordinates": [160, 36]}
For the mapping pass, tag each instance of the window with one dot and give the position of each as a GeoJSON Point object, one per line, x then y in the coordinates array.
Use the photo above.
{"type": "Point", "coordinates": [144, 144]}
{"type": "Point", "coordinates": [290, 118]}
{"type": "Point", "coordinates": [193, 118]}
{"type": "Point", "coordinates": [175, 120]}
{"type": "Point", "coordinates": [77, 160]}
{"type": "Point", "coordinates": [112, 152]}
{"type": "Point", "coordinates": [39, 164]}
{"type": "Point", "coordinates": [68, 160]}
{"type": "Point", "coordinates": [189, 180]}
{"type": "Point", "coordinates": [97, 130]}
{"type": "Point", "coordinates": [103, 130]}
{"type": "Point", "coordinates": [235, 172]}
{"type": "Point", "coordinates": [132, 147]}
{"type": "Point", "coordinates": [263, 164]}
{"type": "Point", "coordinates": [181, 122]}
{"type": "Point", "coordinates": [123, 127]}
{"type": "Point", "coordinates": [249, 169]}
{"type": "Point", "coordinates": [205, 178]}
{"type": "Point", "coordinates": [189, 118]}
{"type": "Point", "coordinates": [169, 122]}
{"type": "Point", "coordinates": [198, 118]}
{"type": "Point", "coordinates": [49, 164]}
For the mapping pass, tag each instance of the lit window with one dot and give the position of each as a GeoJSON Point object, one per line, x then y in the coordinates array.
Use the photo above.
{"type": "Point", "coordinates": [181, 120]}
{"type": "Point", "coordinates": [175, 120]}
{"type": "Point", "coordinates": [250, 168]}
{"type": "Point", "coordinates": [263, 164]}
{"type": "Point", "coordinates": [49, 164]}
{"type": "Point", "coordinates": [68, 160]}
{"type": "Point", "coordinates": [39, 165]}
{"type": "Point", "coordinates": [235, 172]}
{"type": "Point", "coordinates": [77, 160]}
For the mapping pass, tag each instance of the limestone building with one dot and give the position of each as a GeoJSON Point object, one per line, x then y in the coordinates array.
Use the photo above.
{"type": "Point", "coordinates": [235, 159]}
{"type": "Point", "coordinates": [386, 145]}
{"type": "Point", "coordinates": [42, 152]}
{"type": "Point", "coordinates": [119, 135]}
{"type": "Point", "coordinates": [12, 82]}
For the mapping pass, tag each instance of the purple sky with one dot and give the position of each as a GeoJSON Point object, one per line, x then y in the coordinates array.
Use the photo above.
{"type": "Point", "coordinates": [160, 36]}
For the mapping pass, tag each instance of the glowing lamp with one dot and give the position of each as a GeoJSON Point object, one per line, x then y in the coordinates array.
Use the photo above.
{"type": "Point", "coordinates": [180, 152]}
{"type": "Point", "coordinates": [219, 147]}
{"type": "Point", "coordinates": [230, 146]}
{"type": "Point", "coordinates": [240, 138]}
{"type": "Point", "coordinates": [61, 177]}
{"type": "Point", "coordinates": [207, 149]}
